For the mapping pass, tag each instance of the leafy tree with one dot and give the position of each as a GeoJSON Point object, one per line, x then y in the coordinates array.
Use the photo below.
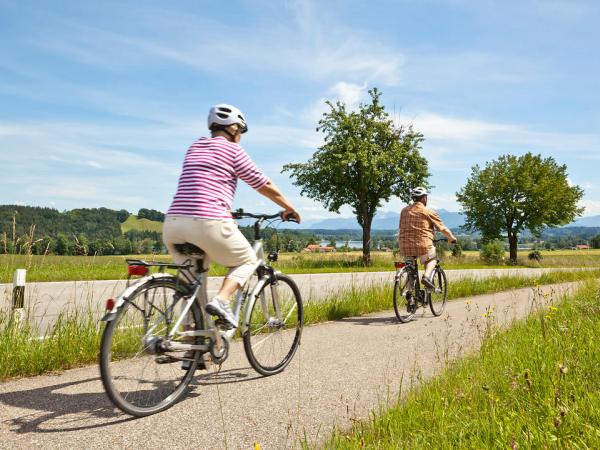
{"type": "Point", "coordinates": [595, 242]}
{"type": "Point", "coordinates": [151, 214]}
{"type": "Point", "coordinates": [515, 193]}
{"type": "Point", "coordinates": [122, 246]}
{"type": "Point", "coordinates": [365, 160]}
{"type": "Point", "coordinates": [122, 215]}
{"type": "Point", "coordinates": [63, 245]}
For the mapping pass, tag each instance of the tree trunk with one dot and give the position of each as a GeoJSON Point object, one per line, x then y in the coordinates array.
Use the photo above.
{"type": "Point", "coordinates": [512, 245]}
{"type": "Point", "coordinates": [366, 226]}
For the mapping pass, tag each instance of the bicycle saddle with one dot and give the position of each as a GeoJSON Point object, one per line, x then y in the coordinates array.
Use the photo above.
{"type": "Point", "coordinates": [189, 249]}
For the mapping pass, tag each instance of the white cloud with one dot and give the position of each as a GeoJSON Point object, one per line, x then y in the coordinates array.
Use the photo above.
{"type": "Point", "coordinates": [94, 164]}
{"type": "Point", "coordinates": [435, 126]}
{"type": "Point", "coordinates": [592, 207]}
{"type": "Point", "coordinates": [314, 48]}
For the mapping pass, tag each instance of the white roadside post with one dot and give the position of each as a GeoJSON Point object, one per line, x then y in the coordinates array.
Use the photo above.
{"type": "Point", "coordinates": [18, 295]}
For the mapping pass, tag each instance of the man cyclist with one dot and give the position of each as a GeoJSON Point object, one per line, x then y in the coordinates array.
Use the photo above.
{"type": "Point", "coordinates": [200, 212]}
{"type": "Point", "coordinates": [418, 225]}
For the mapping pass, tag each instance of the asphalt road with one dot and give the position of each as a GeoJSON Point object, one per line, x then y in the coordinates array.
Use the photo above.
{"type": "Point", "coordinates": [343, 370]}
{"type": "Point", "coordinates": [46, 300]}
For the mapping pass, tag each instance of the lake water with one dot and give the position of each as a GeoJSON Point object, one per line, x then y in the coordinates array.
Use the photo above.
{"type": "Point", "coordinates": [338, 244]}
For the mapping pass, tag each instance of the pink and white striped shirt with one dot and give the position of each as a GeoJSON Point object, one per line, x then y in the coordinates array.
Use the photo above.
{"type": "Point", "coordinates": [209, 178]}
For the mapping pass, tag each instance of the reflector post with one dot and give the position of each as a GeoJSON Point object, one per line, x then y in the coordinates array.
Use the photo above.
{"type": "Point", "coordinates": [399, 264]}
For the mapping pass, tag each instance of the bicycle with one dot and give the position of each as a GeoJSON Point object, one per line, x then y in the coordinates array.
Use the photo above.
{"type": "Point", "coordinates": [408, 295]}
{"type": "Point", "coordinates": [167, 347]}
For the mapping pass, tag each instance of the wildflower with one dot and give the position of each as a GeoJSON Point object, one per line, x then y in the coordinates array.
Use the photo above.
{"type": "Point", "coordinates": [557, 422]}
{"type": "Point", "coordinates": [563, 369]}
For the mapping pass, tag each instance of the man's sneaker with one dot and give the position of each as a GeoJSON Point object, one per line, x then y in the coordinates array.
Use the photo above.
{"type": "Point", "coordinates": [222, 310]}
{"type": "Point", "coordinates": [427, 282]}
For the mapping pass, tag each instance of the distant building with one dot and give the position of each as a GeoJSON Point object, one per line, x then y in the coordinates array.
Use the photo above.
{"type": "Point", "coordinates": [316, 248]}
{"type": "Point", "coordinates": [581, 247]}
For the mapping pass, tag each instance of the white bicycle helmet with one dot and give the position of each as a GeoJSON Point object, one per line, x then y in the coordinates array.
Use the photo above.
{"type": "Point", "coordinates": [225, 115]}
{"type": "Point", "coordinates": [418, 192]}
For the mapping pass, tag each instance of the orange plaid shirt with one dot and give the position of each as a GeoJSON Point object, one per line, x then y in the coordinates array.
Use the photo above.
{"type": "Point", "coordinates": [418, 225]}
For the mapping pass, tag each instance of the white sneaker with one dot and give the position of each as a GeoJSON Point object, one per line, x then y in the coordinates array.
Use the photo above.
{"type": "Point", "coordinates": [221, 309]}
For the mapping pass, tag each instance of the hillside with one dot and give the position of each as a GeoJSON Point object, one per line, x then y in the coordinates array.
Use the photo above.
{"type": "Point", "coordinates": [95, 223]}
{"type": "Point", "coordinates": [384, 221]}
{"type": "Point", "coordinates": [134, 223]}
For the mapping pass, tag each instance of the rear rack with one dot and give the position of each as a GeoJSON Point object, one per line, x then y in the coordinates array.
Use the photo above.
{"type": "Point", "coordinates": [140, 262]}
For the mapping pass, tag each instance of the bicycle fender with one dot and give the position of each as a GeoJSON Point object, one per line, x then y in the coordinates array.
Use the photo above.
{"type": "Point", "coordinates": [253, 296]}
{"type": "Point", "coordinates": [121, 299]}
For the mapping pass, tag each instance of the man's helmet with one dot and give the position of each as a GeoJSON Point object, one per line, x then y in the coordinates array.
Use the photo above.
{"type": "Point", "coordinates": [224, 115]}
{"type": "Point", "coordinates": [418, 192]}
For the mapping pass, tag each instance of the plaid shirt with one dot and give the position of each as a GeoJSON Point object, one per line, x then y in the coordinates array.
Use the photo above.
{"type": "Point", "coordinates": [418, 225]}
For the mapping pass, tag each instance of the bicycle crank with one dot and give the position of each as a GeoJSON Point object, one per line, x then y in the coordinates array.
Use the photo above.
{"type": "Point", "coordinates": [219, 355]}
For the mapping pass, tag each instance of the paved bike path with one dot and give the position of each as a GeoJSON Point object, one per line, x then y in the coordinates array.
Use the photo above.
{"type": "Point", "coordinates": [343, 370]}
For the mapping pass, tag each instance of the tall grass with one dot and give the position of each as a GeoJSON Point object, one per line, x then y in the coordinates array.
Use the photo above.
{"type": "Point", "coordinates": [534, 385]}
{"type": "Point", "coordinates": [74, 339]}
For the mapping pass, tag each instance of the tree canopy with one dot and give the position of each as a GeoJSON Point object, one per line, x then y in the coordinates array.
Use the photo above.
{"type": "Point", "coordinates": [365, 160]}
{"type": "Point", "coordinates": [514, 193]}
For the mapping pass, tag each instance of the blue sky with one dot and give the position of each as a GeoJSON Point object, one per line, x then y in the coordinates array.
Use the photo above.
{"type": "Point", "coordinates": [100, 100]}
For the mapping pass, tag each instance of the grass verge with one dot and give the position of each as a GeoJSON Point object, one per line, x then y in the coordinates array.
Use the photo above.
{"type": "Point", "coordinates": [74, 339]}
{"type": "Point", "coordinates": [69, 268]}
{"type": "Point", "coordinates": [534, 385]}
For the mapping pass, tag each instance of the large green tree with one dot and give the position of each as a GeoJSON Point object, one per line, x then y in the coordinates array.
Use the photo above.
{"type": "Point", "coordinates": [514, 193]}
{"type": "Point", "coordinates": [365, 160]}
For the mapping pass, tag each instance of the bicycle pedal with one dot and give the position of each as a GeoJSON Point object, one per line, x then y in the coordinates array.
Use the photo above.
{"type": "Point", "coordinates": [165, 359]}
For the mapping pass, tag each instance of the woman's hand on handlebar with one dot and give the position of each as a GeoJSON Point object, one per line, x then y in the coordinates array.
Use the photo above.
{"type": "Point", "coordinates": [290, 215]}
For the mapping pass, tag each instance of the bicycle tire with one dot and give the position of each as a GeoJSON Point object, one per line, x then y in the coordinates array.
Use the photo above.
{"type": "Point", "coordinates": [439, 295]}
{"type": "Point", "coordinates": [400, 300]}
{"type": "Point", "coordinates": [261, 330]}
{"type": "Point", "coordinates": [114, 362]}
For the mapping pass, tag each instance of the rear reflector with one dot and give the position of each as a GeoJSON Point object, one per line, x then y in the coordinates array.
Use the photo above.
{"type": "Point", "coordinates": [110, 304]}
{"type": "Point", "coordinates": [137, 270]}
{"type": "Point", "coordinates": [399, 264]}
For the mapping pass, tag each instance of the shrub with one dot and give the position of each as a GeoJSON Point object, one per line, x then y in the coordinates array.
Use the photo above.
{"type": "Point", "coordinates": [535, 255]}
{"type": "Point", "coordinates": [457, 250]}
{"type": "Point", "coordinates": [492, 252]}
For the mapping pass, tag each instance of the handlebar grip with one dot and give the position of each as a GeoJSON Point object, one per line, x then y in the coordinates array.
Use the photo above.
{"type": "Point", "coordinates": [290, 217]}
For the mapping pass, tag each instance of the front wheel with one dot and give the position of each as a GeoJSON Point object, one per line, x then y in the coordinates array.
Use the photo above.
{"type": "Point", "coordinates": [439, 295]}
{"type": "Point", "coordinates": [274, 326]}
{"type": "Point", "coordinates": [402, 294]}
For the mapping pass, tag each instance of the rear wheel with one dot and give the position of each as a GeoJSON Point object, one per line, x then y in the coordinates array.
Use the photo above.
{"type": "Point", "coordinates": [138, 374]}
{"type": "Point", "coordinates": [439, 294]}
{"type": "Point", "coordinates": [402, 294]}
{"type": "Point", "coordinates": [274, 326]}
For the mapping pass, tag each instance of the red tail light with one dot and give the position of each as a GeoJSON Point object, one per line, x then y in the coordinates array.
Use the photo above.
{"type": "Point", "coordinates": [399, 264]}
{"type": "Point", "coordinates": [137, 270]}
{"type": "Point", "coordinates": [110, 304]}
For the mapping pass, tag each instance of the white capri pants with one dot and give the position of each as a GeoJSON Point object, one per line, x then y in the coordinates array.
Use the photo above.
{"type": "Point", "coordinates": [220, 239]}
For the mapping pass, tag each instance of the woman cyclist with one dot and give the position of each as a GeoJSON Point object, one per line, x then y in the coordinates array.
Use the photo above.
{"type": "Point", "coordinates": [200, 211]}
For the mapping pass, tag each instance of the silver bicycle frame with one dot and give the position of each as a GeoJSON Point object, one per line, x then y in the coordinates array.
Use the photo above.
{"type": "Point", "coordinates": [209, 329]}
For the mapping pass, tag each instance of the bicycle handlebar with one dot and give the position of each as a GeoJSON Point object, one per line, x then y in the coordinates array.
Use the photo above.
{"type": "Point", "coordinates": [240, 213]}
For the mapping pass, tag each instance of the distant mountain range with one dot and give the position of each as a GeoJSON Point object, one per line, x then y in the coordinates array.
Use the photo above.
{"type": "Point", "coordinates": [390, 220]}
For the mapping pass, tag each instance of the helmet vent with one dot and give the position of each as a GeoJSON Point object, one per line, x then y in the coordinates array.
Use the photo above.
{"type": "Point", "coordinates": [222, 115]}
